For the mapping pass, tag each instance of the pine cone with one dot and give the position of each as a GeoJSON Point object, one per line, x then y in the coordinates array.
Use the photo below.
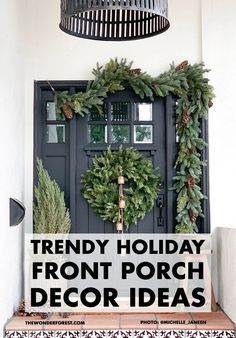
{"type": "Point", "coordinates": [185, 119]}
{"type": "Point", "coordinates": [154, 86]}
{"type": "Point", "coordinates": [186, 110]}
{"type": "Point", "coordinates": [67, 111]}
{"type": "Point", "coordinates": [190, 182]}
{"type": "Point", "coordinates": [135, 71]}
{"type": "Point", "coordinates": [193, 149]}
{"type": "Point", "coordinates": [21, 306]}
{"type": "Point", "coordinates": [64, 314]}
{"type": "Point", "coordinates": [181, 66]}
{"type": "Point", "coordinates": [20, 312]}
{"type": "Point", "coordinates": [43, 315]}
{"type": "Point", "coordinates": [192, 215]}
{"type": "Point", "coordinates": [210, 104]}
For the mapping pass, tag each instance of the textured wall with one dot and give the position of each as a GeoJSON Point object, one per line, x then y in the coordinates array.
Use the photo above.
{"type": "Point", "coordinates": [219, 53]}
{"type": "Point", "coordinates": [226, 258]}
{"type": "Point", "coordinates": [11, 152]}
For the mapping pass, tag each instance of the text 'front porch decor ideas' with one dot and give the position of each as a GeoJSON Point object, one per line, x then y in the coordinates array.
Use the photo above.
{"type": "Point", "coordinates": [114, 20]}
{"type": "Point", "coordinates": [189, 84]}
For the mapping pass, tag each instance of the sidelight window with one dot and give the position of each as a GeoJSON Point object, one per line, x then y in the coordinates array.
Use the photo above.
{"type": "Point", "coordinates": [55, 129]}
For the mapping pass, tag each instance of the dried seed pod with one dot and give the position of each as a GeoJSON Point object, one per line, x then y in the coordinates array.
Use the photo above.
{"type": "Point", "coordinates": [67, 111]}
{"type": "Point", "coordinates": [181, 66]}
{"type": "Point", "coordinates": [185, 119]}
{"type": "Point", "coordinates": [193, 149]}
{"type": "Point", "coordinates": [210, 104]}
{"type": "Point", "coordinates": [43, 315]}
{"type": "Point", "coordinates": [192, 215]}
{"type": "Point", "coordinates": [135, 71]}
{"type": "Point", "coordinates": [190, 182]}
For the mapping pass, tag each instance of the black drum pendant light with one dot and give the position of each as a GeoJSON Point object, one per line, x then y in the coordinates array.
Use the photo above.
{"type": "Point", "coordinates": [114, 20]}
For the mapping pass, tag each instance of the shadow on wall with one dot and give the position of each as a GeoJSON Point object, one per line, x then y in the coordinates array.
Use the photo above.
{"type": "Point", "coordinates": [224, 269]}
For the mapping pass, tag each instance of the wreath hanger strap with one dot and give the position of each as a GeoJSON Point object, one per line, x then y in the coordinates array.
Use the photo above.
{"type": "Point", "coordinates": [121, 202]}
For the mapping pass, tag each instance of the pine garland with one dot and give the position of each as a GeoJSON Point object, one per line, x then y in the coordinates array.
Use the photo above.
{"type": "Point", "coordinates": [50, 213]}
{"type": "Point", "coordinates": [189, 84]}
{"type": "Point", "coordinates": [101, 189]}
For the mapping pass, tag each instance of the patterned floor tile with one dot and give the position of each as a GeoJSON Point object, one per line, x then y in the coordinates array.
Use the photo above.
{"type": "Point", "coordinates": [16, 334]}
{"type": "Point", "coordinates": [145, 334]}
{"type": "Point", "coordinates": [93, 334]}
{"type": "Point", "coordinates": [41, 334]}
{"type": "Point", "coordinates": [119, 334]}
{"type": "Point", "coordinates": [198, 334]}
{"type": "Point", "coordinates": [223, 334]}
{"type": "Point", "coordinates": [67, 334]}
{"type": "Point", "coordinates": [172, 334]}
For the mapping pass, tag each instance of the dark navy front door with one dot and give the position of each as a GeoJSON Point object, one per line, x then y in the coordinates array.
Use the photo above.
{"type": "Point", "coordinates": [68, 147]}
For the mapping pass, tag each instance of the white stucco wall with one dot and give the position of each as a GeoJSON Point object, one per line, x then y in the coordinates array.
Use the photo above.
{"type": "Point", "coordinates": [11, 152]}
{"type": "Point", "coordinates": [226, 262]}
{"type": "Point", "coordinates": [219, 53]}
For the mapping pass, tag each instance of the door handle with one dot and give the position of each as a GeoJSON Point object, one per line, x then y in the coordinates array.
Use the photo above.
{"type": "Point", "coordinates": [160, 205]}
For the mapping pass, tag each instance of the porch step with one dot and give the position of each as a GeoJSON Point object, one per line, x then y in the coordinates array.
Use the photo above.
{"type": "Point", "coordinates": [160, 325]}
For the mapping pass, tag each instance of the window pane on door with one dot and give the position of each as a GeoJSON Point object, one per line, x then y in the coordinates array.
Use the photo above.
{"type": "Point", "coordinates": [120, 111]}
{"type": "Point", "coordinates": [95, 115]}
{"type": "Point", "coordinates": [143, 112]}
{"type": "Point", "coordinates": [53, 114]}
{"type": "Point", "coordinates": [55, 133]}
{"type": "Point", "coordinates": [143, 134]}
{"type": "Point", "coordinates": [98, 133]}
{"type": "Point", "coordinates": [120, 134]}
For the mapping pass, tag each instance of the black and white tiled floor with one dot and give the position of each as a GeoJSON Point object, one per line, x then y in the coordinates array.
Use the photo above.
{"type": "Point", "coordinates": [123, 334]}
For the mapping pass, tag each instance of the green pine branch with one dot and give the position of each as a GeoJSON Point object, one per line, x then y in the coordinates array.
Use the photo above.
{"type": "Point", "coordinates": [190, 84]}
{"type": "Point", "coordinates": [49, 210]}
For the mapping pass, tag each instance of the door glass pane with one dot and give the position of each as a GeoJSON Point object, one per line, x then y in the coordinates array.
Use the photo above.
{"type": "Point", "coordinates": [98, 133]}
{"type": "Point", "coordinates": [176, 134]}
{"type": "Point", "coordinates": [143, 112]}
{"type": "Point", "coordinates": [143, 134]}
{"type": "Point", "coordinates": [120, 134]}
{"type": "Point", "coordinates": [96, 116]}
{"type": "Point", "coordinates": [120, 111]}
{"type": "Point", "coordinates": [53, 114]}
{"type": "Point", "coordinates": [55, 133]}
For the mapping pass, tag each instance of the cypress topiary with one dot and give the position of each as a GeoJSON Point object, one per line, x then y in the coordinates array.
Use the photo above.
{"type": "Point", "coordinates": [50, 212]}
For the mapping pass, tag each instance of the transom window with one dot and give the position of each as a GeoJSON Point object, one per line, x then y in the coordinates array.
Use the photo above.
{"type": "Point", "coordinates": [122, 122]}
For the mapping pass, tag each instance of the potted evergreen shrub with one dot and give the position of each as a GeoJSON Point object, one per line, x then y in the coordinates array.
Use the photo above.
{"type": "Point", "coordinates": [50, 212]}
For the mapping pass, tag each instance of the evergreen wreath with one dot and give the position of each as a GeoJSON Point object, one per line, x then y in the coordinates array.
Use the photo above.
{"type": "Point", "coordinates": [189, 84]}
{"type": "Point", "coordinates": [141, 188]}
